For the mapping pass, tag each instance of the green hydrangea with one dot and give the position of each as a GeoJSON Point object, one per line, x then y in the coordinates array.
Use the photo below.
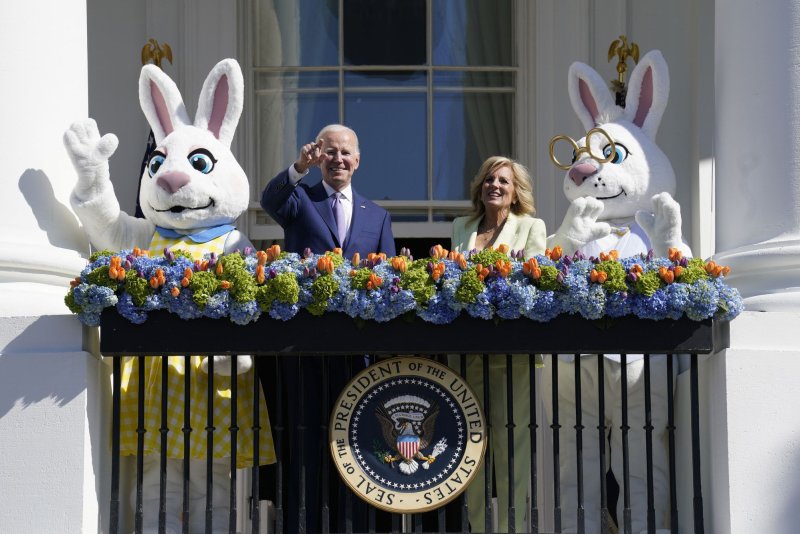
{"type": "Point", "coordinates": [203, 284]}
{"type": "Point", "coordinates": [322, 289]}
{"type": "Point", "coordinates": [549, 279]}
{"type": "Point", "coordinates": [360, 278]}
{"type": "Point", "coordinates": [616, 275]}
{"type": "Point", "coordinates": [488, 257]}
{"type": "Point", "coordinates": [470, 286]}
{"type": "Point", "coordinates": [100, 277]}
{"type": "Point", "coordinates": [693, 272]}
{"type": "Point", "coordinates": [337, 259]}
{"type": "Point", "coordinates": [100, 254]}
{"type": "Point", "coordinates": [182, 254]}
{"type": "Point", "coordinates": [648, 283]}
{"type": "Point", "coordinates": [137, 287]}
{"type": "Point", "coordinates": [283, 288]}
{"type": "Point", "coordinates": [69, 300]}
{"type": "Point", "coordinates": [417, 280]}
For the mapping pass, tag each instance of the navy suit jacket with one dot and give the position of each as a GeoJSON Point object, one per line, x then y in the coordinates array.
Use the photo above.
{"type": "Point", "coordinates": [306, 216]}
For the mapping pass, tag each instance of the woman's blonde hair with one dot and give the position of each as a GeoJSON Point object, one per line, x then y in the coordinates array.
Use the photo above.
{"type": "Point", "coordinates": [523, 186]}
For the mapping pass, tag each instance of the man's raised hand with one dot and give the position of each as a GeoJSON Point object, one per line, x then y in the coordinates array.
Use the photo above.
{"type": "Point", "coordinates": [310, 156]}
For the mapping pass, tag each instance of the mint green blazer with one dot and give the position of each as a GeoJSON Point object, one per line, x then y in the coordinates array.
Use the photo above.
{"type": "Point", "coordinates": [521, 232]}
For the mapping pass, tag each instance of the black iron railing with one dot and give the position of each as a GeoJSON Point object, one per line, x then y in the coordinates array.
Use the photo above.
{"type": "Point", "coordinates": [336, 338]}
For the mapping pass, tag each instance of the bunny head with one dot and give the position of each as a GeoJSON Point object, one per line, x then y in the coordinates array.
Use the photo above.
{"type": "Point", "coordinates": [192, 180]}
{"type": "Point", "coordinates": [627, 173]}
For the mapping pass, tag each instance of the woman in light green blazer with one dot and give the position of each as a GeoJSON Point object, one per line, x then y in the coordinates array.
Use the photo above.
{"type": "Point", "coordinates": [502, 200]}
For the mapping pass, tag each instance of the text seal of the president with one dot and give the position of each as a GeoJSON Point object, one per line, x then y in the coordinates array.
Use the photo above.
{"type": "Point", "coordinates": [407, 434]}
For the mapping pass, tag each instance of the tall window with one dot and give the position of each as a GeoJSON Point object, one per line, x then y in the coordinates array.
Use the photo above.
{"type": "Point", "coordinates": [429, 86]}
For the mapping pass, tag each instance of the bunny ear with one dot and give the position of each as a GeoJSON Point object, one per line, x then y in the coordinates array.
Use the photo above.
{"type": "Point", "coordinates": [221, 100]}
{"type": "Point", "coordinates": [161, 102]}
{"type": "Point", "coordinates": [648, 91]}
{"type": "Point", "coordinates": [590, 98]}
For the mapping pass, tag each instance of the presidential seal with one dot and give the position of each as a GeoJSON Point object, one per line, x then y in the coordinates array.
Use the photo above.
{"type": "Point", "coordinates": [407, 435]}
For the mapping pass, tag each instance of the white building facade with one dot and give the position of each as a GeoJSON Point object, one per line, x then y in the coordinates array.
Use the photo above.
{"type": "Point", "coordinates": [730, 129]}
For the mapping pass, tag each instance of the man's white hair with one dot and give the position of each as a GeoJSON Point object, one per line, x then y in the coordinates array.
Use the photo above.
{"type": "Point", "coordinates": [339, 128]}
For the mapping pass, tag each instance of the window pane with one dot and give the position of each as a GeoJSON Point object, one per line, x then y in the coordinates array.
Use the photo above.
{"type": "Point", "coordinates": [467, 129]}
{"type": "Point", "coordinates": [451, 78]}
{"type": "Point", "coordinates": [385, 32]}
{"type": "Point", "coordinates": [472, 32]}
{"type": "Point", "coordinates": [285, 122]}
{"type": "Point", "coordinates": [296, 32]}
{"type": "Point", "coordinates": [391, 134]}
{"type": "Point", "coordinates": [386, 79]}
{"type": "Point", "coordinates": [294, 81]}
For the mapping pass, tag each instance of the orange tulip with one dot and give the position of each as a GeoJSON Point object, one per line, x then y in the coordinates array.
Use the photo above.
{"type": "Point", "coordinates": [462, 261]}
{"type": "Point", "coordinates": [356, 259]}
{"type": "Point", "coordinates": [674, 254]}
{"type": "Point", "coordinates": [225, 284]}
{"type": "Point", "coordinates": [399, 264]}
{"type": "Point", "coordinates": [554, 254]}
{"type": "Point", "coordinates": [262, 257]}
{"type": "Point", "coordinates": [598, 277]}
{"type": "Point", "coordinates": [337, 251]}
{"type": "Point", "coordinates": [678, 270]}
{"type": "Point", "coordinates": [260, 277]}
{"type": "Point", "coordinates": [374, 281]}
{"type": "Point", "coordinates": [666, 275]}
{"type": "Point", "coordinates": [636, 268]}
{"type": "Point", "coordinates": [175, 291]}
{"type": "Point", "coordinates": [503, 248]}
{"type": "Point", "coordinates": [219, 269]}
{"type": "Point", "coordinates": [611, 255]}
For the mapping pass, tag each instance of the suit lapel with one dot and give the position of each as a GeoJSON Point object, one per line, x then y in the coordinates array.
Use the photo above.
{"type": "Point", "coordinates": [507, 233]}
{"type": "Point", "coordinates": [471, 231]}
{"type": "Point", "coordinates": [358, 220]}
{"type": "Point", "coordinates": [319, 197]}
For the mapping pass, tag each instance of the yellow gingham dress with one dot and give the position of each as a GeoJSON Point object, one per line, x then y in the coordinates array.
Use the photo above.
{"type": "Point", "coordinates": [198, 395]}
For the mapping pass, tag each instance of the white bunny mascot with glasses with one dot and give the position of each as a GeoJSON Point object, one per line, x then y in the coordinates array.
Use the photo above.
{"type": "Point", "coordinates": [621, 187]}
{"type": "Point", "coordinates": [192, 192]}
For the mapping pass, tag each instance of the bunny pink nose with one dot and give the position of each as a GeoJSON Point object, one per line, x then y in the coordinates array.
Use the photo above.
{"type": "Point", "coordinates": [581, 171]}
{"type": "Point", "coordinates": [172, 181]}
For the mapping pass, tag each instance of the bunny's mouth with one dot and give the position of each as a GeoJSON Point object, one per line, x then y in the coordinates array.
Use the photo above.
{"type": "Point", "coordinates": [181, 209]}
{"type": "Point", "coordinates": [622, 192]}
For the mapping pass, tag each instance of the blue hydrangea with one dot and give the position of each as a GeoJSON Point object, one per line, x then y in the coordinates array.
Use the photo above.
{"type": "Point", "coordinates": [184, 306]}
{"type": "Point", "coordinates": [130, 311]}
{"type": "Point", "coordinates": [655, 307]}
{"type": "Point", "coordinates": [730, 301]}
{"type": "Point", "coordinates": [244, 312]}
{"type": "Point", "coordinates": [618, 304]}
{"type": "Point", "coordinates": [218, 305]}
{"type": "Point", "coordinates": [703, 300]}
{"type": "Point", "coordinates": [592, 305]}
{"type": "Point", "coordinates": [437, 311]}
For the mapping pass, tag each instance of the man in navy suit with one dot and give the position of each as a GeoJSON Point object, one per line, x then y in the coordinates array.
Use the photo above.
{"type": "Point", "coordinates": [311, 219]}
{"type": "Point", "coordinates": [306, 213]}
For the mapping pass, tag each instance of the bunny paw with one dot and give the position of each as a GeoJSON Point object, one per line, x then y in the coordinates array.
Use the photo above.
{"type": "Point", "coordinates": [580, 225]}
{"type": "Point", "coordinates": [223, 365]}
{"type": "Point", "coordinates": [89, 154]}
{"type": "Point", "coordinates": [663, 225]}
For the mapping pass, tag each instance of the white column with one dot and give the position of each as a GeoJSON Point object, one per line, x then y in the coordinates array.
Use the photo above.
{"type": "Point", "coordinates": [757, 91]}
{"type": "Point", "coordinates": [52, 422]}
{"type": "Point", "coordinates": [44, 89]}
{"type": "Point", "coordinates": [750, 390]}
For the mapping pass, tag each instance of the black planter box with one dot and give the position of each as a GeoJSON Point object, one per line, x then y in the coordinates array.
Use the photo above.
{"type": "Point", "coordinates": [337, 333]}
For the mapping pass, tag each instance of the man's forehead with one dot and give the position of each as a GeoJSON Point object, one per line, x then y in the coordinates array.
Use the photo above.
{"type": "Point", "coordinates": [338, 138]}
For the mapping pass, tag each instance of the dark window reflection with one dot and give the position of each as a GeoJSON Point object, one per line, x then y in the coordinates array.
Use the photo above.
{"type": "Point", "coordinates": [385, 32]}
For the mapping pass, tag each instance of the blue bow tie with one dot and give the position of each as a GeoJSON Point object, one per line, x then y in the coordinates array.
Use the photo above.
{"type": "Point", "coordinates": [203, 236]}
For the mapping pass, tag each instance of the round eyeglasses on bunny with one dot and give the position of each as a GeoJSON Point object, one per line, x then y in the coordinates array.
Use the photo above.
{"type": "Point", "coordinates": [609, 148]}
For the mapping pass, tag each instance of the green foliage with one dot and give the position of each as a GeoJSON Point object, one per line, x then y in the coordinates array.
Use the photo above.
{"type": "Point", "coordinates": [323, 288]}
{"type": "Point", "coordinates": [283, 288]}
{"type": "Point", "coordinates": [693, 272]}
{"type": "Point", "coordinates": [488, 257]}
{"type": "Point", "coordinates": [470, 286]}
{"type": "Point", "coordinates": [138, 288]}
{"type": "Point", "coordinates": [69, 300]}
{"type": "Point", "coordinates": [99, 254]}
{"type": "Point", "coordinates": [418, 280]}
{"type": "Point", "coordinates": [549, 279]}
{"type": "Point", "coordinates": [360, 278]}
{"type": "Point", "coordinates": [648, 283]}
{"type": "Point", "coordinates": [100, 277]}
{"type": "Point", "coordinates": [203, 284]}
{"type": "Point", "coordinates": [616, 275]}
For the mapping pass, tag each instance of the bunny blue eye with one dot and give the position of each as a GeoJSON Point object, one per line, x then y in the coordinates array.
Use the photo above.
{"type": "Point", "coordinates": [155, 163]}
{"type": "Point", "coordinates": [202, 160]}
{"type": "Point", "coordinates": [620, 152]}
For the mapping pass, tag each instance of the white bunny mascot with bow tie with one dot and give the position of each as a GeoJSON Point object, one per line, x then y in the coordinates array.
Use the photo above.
{"type": "Point", "coordinates": [192, 192]}
{"type": "Point", "coordinates": [621, 187]}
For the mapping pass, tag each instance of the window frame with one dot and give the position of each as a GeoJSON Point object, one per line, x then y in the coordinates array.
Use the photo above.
{"type": "Point", "coordinates": [437, 213]}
